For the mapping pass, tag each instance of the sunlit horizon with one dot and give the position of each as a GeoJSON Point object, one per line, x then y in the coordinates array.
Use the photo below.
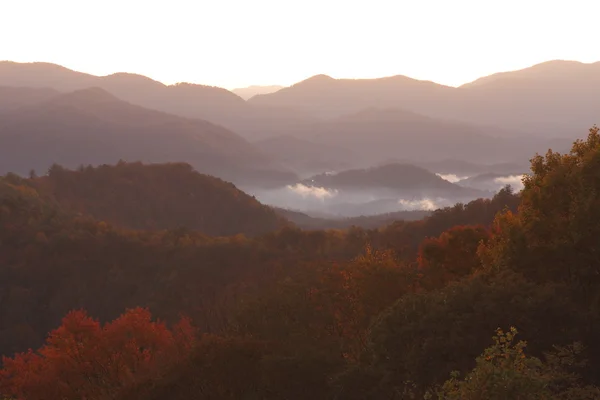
{"type": "Point", "coordinates": [235, 44]}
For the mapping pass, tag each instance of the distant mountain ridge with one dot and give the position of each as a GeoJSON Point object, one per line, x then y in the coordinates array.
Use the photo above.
{"type": "Point", "coordinates": [211, 103]}
{"type": "Point", "coordinates": [92, 126]}
{"type": "Point", "coordinates": [497, 119]}
{"type": "Point", "coordinates": [553, 99]}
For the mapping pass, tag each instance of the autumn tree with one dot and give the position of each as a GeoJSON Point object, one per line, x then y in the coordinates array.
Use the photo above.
{"type": "Point", "coordinates": [418, 341]}
{"type": "Point", "coordinates": [82, 359]}
{"type": "Point", "coordinates": [450, 256]}
{"type": "Point", "coordinates": [505, 371]}
{"type": "Point", "coordinates": [554, 236]}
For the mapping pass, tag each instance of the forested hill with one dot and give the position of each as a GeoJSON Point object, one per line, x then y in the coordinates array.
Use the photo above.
{"type": "Point", "coordinates": [158, 196]}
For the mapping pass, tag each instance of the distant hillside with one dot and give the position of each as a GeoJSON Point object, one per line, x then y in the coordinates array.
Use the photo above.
{"type": "Point", "coordinates": [551, 70]}
{"type": "Point", "coordinates": [92, 126]}
{"type": "Point", "coordinates": [552, 99]}
{"type": "Point", "coordinates": [15, 97]}
{"type": "Point", "coordinates": [211, 103]}
{"type": "Point", "coordinates": [158, 196]}
{"type": "Point", "coordinates": [326, 97]}
{"type": "Point", "coordinates": [377, 134]}
{"type": "Point", "coordinates": [306, 157]}
{"type": "Point", "coordinates": [251, 91]}
{"type": "Point", "coordinates": [305, 221]}
{"type": "Point", "coordinates": [397, 177]}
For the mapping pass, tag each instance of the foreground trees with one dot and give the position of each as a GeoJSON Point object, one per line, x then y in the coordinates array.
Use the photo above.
{"type": "Point", "coordinates": [82, 359]}
{"type": "Point", "coordinates": [504, 371]}
{"type": "Point", "coordinates": [319, 315]}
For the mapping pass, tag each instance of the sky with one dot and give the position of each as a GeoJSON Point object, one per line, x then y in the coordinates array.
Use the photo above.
{"type": "Point", "coordinates": [237, 43]}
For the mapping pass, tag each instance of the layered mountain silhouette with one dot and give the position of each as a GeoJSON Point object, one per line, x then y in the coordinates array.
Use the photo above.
{"type": "Point", "coordinates": [92, 126]}
{"type": "Point", "coordinates": [327, 97]}
{"type": "Point", "coordinates": [553, 99]}
{"type": "Point", "coordinates": [251, 91]}
{"type": "Point", "coordinates": [497, 119]}
{"type": "Point", "coordinates": [211, 103]}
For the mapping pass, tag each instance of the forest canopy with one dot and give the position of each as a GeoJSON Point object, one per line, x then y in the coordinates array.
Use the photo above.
{"type": "Point", "coordinates": [493, 299]}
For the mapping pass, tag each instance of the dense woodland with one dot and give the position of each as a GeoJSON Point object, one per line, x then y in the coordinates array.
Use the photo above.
{"type": "Point", "coordinates": [494, 299]}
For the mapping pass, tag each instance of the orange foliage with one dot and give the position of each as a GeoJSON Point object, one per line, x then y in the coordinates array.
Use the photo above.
{"type": "Point", "coordinates": [82, 359]}
{"type": "Point", "coordinates": [450, 256]}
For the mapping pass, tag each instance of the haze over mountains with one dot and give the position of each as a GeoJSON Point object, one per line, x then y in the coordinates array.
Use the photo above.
{"type": "Point", "coordinates": [269, 143]}
{"type": "Point", "coordinates": [551, 99]}
{"type": "Point", "coordinates": [91, 126]}
{"type": "Point", "coordinates": [250, 91]}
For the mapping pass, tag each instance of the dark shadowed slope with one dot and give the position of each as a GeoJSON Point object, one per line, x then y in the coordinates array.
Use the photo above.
{"type": "Point", "coordinates": [158, 196]}
{"type": "Point", "coordinates": [251, 91]}
{"type": "Point", "coordinates": [92, 126]}
{"type": "Point", "coordinates": [306, 157]}
{"type": "Point", "coordinates": [15, 97]}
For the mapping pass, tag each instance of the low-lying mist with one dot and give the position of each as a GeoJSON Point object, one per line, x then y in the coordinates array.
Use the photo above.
{"type": "Point", "coordinates": [334, 203]}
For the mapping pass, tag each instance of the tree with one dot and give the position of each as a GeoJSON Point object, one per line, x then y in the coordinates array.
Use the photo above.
{"type": "Point", "coordinates": [554, 236]}
{"type": "Point", "coordinates": [81, 359]}
{"type": "Point", "coordinates": [425, 336]}
{"type": "Point", "coordinates": [504, 371]}
{"type": "Point", "coordinates": [450, 256]}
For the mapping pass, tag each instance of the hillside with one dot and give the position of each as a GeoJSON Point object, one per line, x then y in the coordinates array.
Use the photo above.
{"type": "Point", "coordinates": [305, 221]}
{"type": "Point", "coordinates": [552, 99]}
{"type": "Point", "coordinates": [378, 134]}
{"type": "Point", "coordinates": [15, 97]}
{"type": "Point", "coordinates": [397, 177]}
{"type": "Point", "coordinates": [158, 196]}
{"type": "Point", "coordinates": [305, 156]}
{"type": "Point", "coordinates": [91, 126]}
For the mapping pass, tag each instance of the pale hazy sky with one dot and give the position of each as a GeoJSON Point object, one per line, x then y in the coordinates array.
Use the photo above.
{"type": "Point", "coordinates": [234, 43]}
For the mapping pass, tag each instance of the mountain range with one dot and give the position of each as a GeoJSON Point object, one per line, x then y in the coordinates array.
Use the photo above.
{"type": "Point", "coordinates": [476, 122]}
{"type": "Point", "coordinates": [552, 99]}
{"type": "Point", "coordinates": [50, 114]}
{"type": "Point", "coordinates": [92, 126]}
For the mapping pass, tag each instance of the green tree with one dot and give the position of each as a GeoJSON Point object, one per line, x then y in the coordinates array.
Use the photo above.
{"type": "Point", "coordinates": [504, 371]}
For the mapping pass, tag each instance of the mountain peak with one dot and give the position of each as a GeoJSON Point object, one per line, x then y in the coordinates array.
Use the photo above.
{"type": "Point", "coordinates": [317, 79]}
